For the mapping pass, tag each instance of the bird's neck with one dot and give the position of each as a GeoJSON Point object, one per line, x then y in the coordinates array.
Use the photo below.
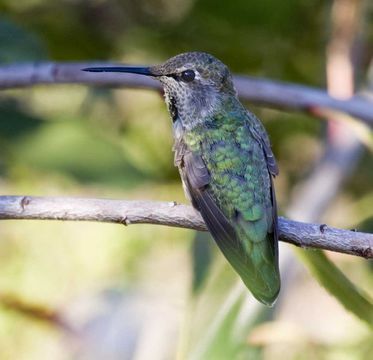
{"type": "Point", "coordinates": [202, 110]}
{"type": "Point", "coordinates": [193, 124]}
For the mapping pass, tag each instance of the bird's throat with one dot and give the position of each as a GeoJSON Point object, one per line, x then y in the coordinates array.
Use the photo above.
{"type": "Point", "coordinates": [172, 108]}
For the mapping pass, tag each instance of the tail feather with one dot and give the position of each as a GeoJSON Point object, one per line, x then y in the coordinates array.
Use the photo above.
{"type": "Point", "coordinates": [255, 262]}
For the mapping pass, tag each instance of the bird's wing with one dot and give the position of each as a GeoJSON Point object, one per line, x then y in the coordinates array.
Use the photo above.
{"type": "Point", "coordinates": [196, 178]}
{"type": "Point", "coordinates": [260, 134]}
{"type": "Point", "coordinates": [274, 242]}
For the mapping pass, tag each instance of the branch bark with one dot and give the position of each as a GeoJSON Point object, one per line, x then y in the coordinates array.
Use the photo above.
{"type": "Point", "coordinates": [176, 215]}
{"type": "Point", "coordinates": [260, 91]}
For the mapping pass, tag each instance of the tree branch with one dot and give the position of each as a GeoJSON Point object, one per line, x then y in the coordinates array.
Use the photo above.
{"type": "Point", "coordinates": [177, 215]}
{"type": "Point", "coordinates": [259, 91]}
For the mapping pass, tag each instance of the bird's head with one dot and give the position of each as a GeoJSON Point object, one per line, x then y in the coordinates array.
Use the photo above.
{"type": "Point", "coordinates": [194, 84]}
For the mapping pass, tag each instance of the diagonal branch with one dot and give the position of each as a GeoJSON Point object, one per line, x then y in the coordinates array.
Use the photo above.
{"type": "Point", "coordinates": [260, 91]}
{"type": "Point", "coordinates": [177, 215]}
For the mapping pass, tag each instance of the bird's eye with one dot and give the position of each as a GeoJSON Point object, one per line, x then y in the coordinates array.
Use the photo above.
{"type": "Point", "coordinates": [188, 75]}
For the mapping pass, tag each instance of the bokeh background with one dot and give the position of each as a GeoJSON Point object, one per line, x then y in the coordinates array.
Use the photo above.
{"type": "Point", "coordinates": [99, 291]}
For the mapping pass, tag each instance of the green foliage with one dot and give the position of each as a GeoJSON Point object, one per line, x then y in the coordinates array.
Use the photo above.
{"type": "Point", "coordinates": [216, 327]}
{"type": "Point", "coordinates": [201, 259]}
{"type": "Point", "coordinates": [19, 44]}
{"type": "Point", "coordinates": [334, 281]}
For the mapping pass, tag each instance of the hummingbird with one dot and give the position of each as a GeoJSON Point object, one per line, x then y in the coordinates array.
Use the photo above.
{"type": "Point", "coordinates": [226, 164]}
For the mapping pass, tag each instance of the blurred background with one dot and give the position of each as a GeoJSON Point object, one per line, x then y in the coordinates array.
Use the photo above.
{"type": "Point", "coordinates": [99, 291]}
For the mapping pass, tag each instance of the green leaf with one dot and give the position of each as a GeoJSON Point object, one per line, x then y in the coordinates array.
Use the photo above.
{"type": "Point", "coordinates": [201, 253]}
{"type": "Point", "coordinates": [221, 315]}
{"type": "Point", "coordinates": [337, 284]}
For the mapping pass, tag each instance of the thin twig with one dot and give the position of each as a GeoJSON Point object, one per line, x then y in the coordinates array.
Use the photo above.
{"type": "Point", "coordinates": [172, 214]}
{"type": "Point", "coordinates": [36, 312]}
{"type": "Point", "coordinates": [260, 91]}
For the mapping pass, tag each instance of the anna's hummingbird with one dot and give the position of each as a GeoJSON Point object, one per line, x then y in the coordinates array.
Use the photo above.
{"type": "Point", "coordinates": [226, 164]}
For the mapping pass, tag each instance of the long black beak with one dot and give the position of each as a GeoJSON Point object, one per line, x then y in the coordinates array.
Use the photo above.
{"type": "Point", "coordinates": [123, 69]}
